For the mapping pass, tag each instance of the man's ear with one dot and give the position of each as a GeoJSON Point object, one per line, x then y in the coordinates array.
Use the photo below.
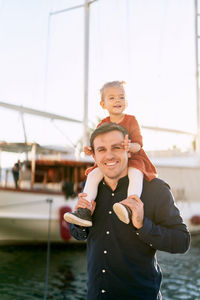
{"type": "Point", "coordinates": [93, 155]}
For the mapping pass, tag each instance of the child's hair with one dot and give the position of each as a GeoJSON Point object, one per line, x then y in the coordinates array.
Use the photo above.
{"type": "Point", "coordinates": [120, 84]}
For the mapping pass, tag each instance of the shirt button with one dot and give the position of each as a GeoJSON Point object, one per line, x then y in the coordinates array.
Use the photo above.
{"type": "Point", "coordinates": [110, 212]}
{"type": "Point", "coordinates": [137, 233]}
{"type": "Point", "coordinates": [103, 291]}
{"type": "Point", "coordinates": [150, 245]}
{"type": "Point", "coordinates": [113, 194]}
{"type": "Point", "coordinates": [83, 229]}
{"type": "Point", "coordinates": [107, 232]}
{"type": "Point", "coordinates": [105, 251]}
{"type": "Point", "coordinates": [103, 271]}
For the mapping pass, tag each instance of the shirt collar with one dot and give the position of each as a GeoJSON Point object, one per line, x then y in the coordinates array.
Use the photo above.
{"type": "Point", "coordinates": [120, 181]}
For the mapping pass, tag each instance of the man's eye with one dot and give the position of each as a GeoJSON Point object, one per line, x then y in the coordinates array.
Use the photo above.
{"type": "Point", "coordinates": [111, 98]}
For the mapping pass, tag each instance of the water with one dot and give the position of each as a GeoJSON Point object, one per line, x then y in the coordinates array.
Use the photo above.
{"type": "Point", "coordinates": [23, 269]}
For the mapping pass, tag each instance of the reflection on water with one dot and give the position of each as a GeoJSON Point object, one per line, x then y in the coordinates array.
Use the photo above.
{"type": "Point", "coordinates": [23, 269]}
{"type": "Point", "coordinates": [181, 273]}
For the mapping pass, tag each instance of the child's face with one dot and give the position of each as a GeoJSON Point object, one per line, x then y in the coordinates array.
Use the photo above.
{"type": "Point", "coordinates": [114, 100]}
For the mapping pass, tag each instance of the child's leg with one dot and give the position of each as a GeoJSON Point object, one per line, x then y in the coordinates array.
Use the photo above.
{"type": "Point", "coordinates": [135, 182]}
{"type": "Point", "coordinates": [92, 182]}
{"type": "Point", "coordinates": [135, 188]}
{"type": "Point", "coordinates": [82, 216]}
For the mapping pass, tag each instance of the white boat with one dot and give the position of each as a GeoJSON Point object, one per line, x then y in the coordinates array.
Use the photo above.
{"type": "Point", "coordinates": [45, 193]}
{"type": "Point", "coordinates": [40, 201]}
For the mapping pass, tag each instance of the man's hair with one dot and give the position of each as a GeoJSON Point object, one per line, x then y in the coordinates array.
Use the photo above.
{"type": "Point", "coordinates": [116, 83]}
{"type": "Point", "coordinates": [104, 128]}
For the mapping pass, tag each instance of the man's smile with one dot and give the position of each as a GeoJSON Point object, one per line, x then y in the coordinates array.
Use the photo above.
{"type": "Point", "coordinates": [111, 164]}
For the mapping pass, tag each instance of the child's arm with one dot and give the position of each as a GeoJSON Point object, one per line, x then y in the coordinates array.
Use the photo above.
{"type": "Point", "coordinates": [134, 132]}
{"type": "Point", "coordinates": [134, 147]}
{"type": "Point", "coordinates": [131, 147]}
{"type": "Point", "coordinates": [88, 150]}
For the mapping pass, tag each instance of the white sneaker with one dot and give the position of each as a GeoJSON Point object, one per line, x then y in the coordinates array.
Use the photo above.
{"type": "Point", "coordinates": [123, 212]}
{"type": "Point", "coordinates": [81, 217]}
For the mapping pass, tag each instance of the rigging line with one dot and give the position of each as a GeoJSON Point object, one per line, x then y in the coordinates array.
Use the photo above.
{"type": "Point", "coordinates": [46, 63]}
{"type": "Point", "coordinates": [46, 68]}
{"type": "Point", "coordinates": [24, 131]}
{"type": "Point", "coordinates": [71, 8]}
{"type": "Point", "coordinates": [67, 138]}
{"type": "Point", "coordinates": [168, 130]}
{"type": "Point", "coordinates": [128, 39]}
{"type": "Point", "coordinates": [37, 112]}
{"type": "Point", "coordinates": [50, 201]}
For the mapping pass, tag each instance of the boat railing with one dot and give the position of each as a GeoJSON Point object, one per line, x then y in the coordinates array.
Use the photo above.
{"type": "Point", "coordinates": [25, 180]}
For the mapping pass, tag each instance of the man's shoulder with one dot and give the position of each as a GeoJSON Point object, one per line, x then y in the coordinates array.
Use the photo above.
{"type": "Point", "coordinates": [157, 191]}
{"type": "Point", "coordinates": [156, 184]}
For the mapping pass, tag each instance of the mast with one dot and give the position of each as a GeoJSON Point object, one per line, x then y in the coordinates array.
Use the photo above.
{"type": "Point", "coordinates": [197, 15]}
{"type": "Point", "coordinates": [86, 7]}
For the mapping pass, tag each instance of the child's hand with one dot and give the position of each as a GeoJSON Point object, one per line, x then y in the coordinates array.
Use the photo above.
{"type": "Point", "coordinates": [126, 143]}
{"type": "Point", "coordinates": [88, 150]}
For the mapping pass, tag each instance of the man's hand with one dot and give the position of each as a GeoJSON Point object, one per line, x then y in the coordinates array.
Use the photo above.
{"type": "Point", "coordinates": [137, 208]}
{"type": "Point", "coordinates": [82, 202]}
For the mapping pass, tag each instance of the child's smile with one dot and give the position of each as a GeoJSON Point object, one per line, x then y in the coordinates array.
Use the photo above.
{"type": "Point", "coordinates": [114, 100]}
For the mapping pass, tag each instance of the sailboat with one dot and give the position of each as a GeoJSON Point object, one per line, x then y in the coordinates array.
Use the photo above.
{"type": "Point", "coordinates": [49, 180]}
{"type": "Point", "coordinates": [47, 175]}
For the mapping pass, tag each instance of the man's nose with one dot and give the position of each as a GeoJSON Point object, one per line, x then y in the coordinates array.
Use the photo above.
{"type": "Point", "coordinates": [109, 154]}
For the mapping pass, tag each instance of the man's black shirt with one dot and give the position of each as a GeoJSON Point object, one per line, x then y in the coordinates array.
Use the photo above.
{"type": "Point", "coordinates": [121, 260]}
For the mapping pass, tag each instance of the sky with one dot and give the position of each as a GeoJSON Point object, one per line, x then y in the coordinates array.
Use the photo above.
{"type": "Point", "coordinates": [148, 43]}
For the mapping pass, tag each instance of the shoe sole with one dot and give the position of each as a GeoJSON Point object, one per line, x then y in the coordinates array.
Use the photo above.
{"type": "Point", "coordinates": [121, 212]}
{"type": "Point", "coordinates": [70, 218]}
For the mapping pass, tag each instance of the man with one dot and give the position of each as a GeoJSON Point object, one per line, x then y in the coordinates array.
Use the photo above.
{"type": "Point", "coordinates": [16, 172]}
{"type": "Point", "coordinates": [121, 261]}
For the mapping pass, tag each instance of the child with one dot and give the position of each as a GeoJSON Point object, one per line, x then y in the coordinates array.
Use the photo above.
{"type": "Point", "coordinates": [113, 99]}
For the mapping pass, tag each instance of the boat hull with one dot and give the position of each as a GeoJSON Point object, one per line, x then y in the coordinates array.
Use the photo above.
{"type": "Point", "coordinates": [25, 217]}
